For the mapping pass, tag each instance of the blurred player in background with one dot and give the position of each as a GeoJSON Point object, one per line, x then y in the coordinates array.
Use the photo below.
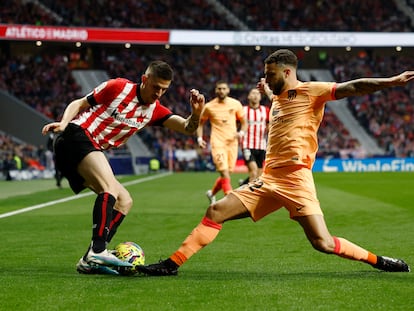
{"type": "Point", "coordinates": [104, 119]}
{"type": "Point", "coordinates": [254, 141]}
{"type": "Point", "coordinates": [287, 181]}
{"type": "Point", "coordinates": [50, 159]}
{"type": "Point", "coordinates": [223, 112]}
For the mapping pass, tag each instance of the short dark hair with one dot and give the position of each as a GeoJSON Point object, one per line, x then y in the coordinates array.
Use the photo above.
{"type": "Point", "coordinates": [221, 82]}
{"type": "Point", "coordinates": [160, 69]}
{"type": "Point", "coordinates": [282, 57]}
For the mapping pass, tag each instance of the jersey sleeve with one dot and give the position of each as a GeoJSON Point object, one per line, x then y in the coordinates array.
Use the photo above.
{"type": "Point", "coordinates": [160, 115]}
{"type": "Point", "coordinates": [321, 92]}
{"type": "Point", "coordinates": [240, 111]}
{"type": "Point", "coordinates": [106, 92]}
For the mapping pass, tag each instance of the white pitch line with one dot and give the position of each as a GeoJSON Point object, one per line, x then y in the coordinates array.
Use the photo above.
{"type": "Point", "coordinates": [78, 196]}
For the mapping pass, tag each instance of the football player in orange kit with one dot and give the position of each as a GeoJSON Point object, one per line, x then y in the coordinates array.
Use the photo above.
{"type": "Point", "coordinates": [287, 181]}
{"type": "Point", "coordinates": [223, 112]}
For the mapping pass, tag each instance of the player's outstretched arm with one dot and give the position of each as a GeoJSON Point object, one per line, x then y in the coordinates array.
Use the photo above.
{"type": "Point", "coordinates": [365, 86]}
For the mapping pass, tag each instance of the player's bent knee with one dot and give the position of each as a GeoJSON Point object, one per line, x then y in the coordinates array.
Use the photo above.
{"type": "Point", "coordinates": [228, 208]}
{"type": "Point", "coordinates": [124, 204]}
{"type": "Point", "coordinates": [214, 212]}
{"type": "Point", "coordinates": [123, 209]}
{"type": "Point", "coordinates": [322, 245]}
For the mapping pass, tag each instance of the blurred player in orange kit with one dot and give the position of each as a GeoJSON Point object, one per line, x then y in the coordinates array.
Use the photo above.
{"type": "Point", "coordinates": [223, 112]}
{"type": "Point", "coordinates": [287, 180]}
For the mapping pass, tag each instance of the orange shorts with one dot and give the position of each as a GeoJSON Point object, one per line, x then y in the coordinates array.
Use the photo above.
{"type": "Point", "coordinates": [225, 157]}
{"type": "Point", "coordinates": [291, 187]}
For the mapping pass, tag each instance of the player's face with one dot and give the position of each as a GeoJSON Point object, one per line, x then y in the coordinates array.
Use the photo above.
{"type": "Point", "coordinates": [274, 76]}
{"type": "Point", "coordinates": [254, 97]}
{"type": "Point", "coordinates": [153, 88]}
{"type": "Point", "coordinates": [222, 90]}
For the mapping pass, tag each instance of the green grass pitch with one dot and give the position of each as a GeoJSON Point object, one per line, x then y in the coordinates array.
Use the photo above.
{"type": "Point", "coordinates": [267, 265]}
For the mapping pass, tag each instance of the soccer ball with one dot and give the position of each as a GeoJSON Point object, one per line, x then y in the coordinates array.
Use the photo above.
{"type": "Point", "coordinates": [132, 253]}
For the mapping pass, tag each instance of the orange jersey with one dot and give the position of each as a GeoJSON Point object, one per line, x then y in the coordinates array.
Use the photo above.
{"type": "Point", "coordinates": [295, 117]}
{"type": "Point", "coordinates": [223, 120]}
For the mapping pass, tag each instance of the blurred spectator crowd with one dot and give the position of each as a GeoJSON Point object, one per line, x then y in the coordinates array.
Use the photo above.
{"type": "Point", "coordinates": [43, 80]}
{"type": "Point", "coordinates": [387, 115]}
{"type": "Point", "coordinates": [296, 15]}
{"type": "Point", "coordinates": [18, 155]}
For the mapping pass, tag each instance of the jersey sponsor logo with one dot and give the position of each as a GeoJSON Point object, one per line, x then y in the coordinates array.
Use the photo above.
{"type": "Point", "coordinates": [281, 120]}
{"type": "Point", "coordinates": [140, 119]}
{"type": "Point", "coordinates": [114, 114]}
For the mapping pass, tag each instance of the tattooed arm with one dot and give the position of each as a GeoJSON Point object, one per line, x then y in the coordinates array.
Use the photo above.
{"type": "Point", "coordinates": [365, 86]}
{"type": "Point", "coordinates": [189, 125]}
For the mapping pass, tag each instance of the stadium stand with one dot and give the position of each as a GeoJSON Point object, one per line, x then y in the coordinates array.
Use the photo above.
{"type": "Point", "coordinates": [387, 117]}
{"type": "Point", "coordinates": [297, 15]}
{"type": "Point", "coordinates": [300, 15]}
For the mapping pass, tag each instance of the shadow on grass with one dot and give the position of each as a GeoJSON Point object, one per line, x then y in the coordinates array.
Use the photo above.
{"type": "Point", "coordinates": [213, 275]}
{"type": "Point", "coordinates": [303, 277]}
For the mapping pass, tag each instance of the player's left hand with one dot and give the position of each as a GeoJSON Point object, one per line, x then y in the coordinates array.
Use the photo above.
{"type": "Point", "coordinates": [403, 78]}
{"type": "Point", "coordinates": [197, 102]}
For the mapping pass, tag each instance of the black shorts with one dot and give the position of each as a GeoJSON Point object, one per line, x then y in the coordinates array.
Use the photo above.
{"type": "Point", "coordinates": [254, 155]}
{"type": "Point", "coordinates": [70, 147]}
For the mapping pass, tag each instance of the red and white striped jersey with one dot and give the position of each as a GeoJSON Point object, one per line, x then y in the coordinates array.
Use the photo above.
{"type": "Point", "coordinates": [257, 119]}
{"type": "Point", "coordinates": [116, 113]}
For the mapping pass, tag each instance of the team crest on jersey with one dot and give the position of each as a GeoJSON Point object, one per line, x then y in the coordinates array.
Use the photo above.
{"type": "Point", "coordinates": [141, 118]}
{"type": "Point", "coordinates": [292, 94]}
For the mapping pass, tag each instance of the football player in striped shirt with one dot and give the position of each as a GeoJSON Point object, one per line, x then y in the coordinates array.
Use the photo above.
{"type": "Point", "coordinates": [103, 119]}
{"type": "Point", "coordinates": [254, 141]}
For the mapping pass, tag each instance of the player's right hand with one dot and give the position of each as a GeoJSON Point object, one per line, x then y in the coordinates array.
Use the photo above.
{"type": "Point", "coordinates": [264, 88]}
{"type": "Point", "coordinates": [197, 102]}
{"type": "Point", "coordinates": [54, 127]}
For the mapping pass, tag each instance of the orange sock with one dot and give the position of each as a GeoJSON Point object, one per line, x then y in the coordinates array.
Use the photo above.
{"type": "Point", "coordinates": [178, 257]}
{"type": "Point", "coordinates": [226, 185]}
{"type": "Point", "coordinates": [202, 235]}
{"type": "Point", "coordinates": [346, 249]}
{"type": "Point", "coordinates": [217, 186]}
